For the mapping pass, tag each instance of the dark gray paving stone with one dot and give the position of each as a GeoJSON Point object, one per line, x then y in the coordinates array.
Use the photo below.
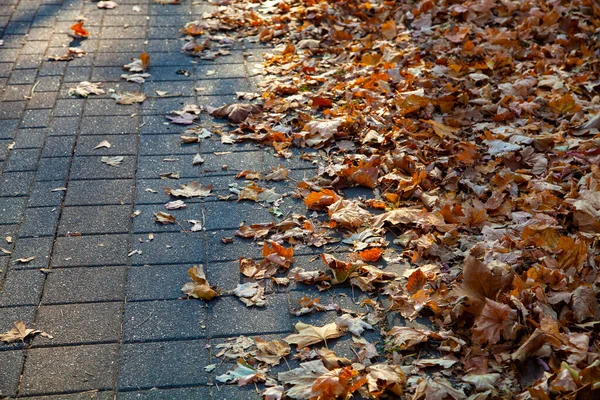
{"type": "Point", "coordinates": [16, 92]}
{"type": "Point", "coordinates": [166, 145]}
{"type": "Point", "coordinates": [42, 194]}
{"type": "Point", "coordinates": [12, 110]}
{"type": "Point", "coordinates": [105, 107]}
{"type": "Point", "coordinates": [164, 32]}
{"type": "Point", "coordinates": [22, 76]}
{"type": "Point", "coordinates": [151, 191]}
{"type": "Point", "coordinates": [273, 318]}
{"type": "Point", "coordinates": [36, 118]}
{"type": "Point", "coordinates": [225, 87]}
{"type": "Point", "coordinates": [58, 146]}
{"type": "Point", "coordinates": [223, 275]}
{"type": "Point", "coordinates": [145, 222]}
{"type": "Point", "coordinates": [236, 162]}
{"type": "Point", "coordinates": [203, 72]}
{"type": "Point", "coordinates": [53, 169]}
{"type": "Point", "coordinates": [80, 323]}
{"type": "Point", "coordinates": [162, 45]}
{"type": "Point", "coordinates": [164, 105]}
{"type": "Point", "coordinates": [41, 100]}
{"type": "Point", "coordinates": [48, 84]}
{"type": "Point", "coordinates": [77, 74]}
{"type": "Point", "coordinates": [30, 138]}
{"type": "Point", "coordinates": [217, 251]}
{"type": "Point", "coordinates": [12, 209]}
{"type": "Point", "coordinates": [167, 394]}
{"type": "Point", "coordinates": [52, 69]}
{"type": "Point", "coordinates": [64, 126]}
{"type": "Point", "coordinates": [120, 145]}
{"type": "Point", "coordinates": [22, 160]}
{"type": "Point", "coordinates": [170, 248]}
{"type": "Point", "coordinates": [214, 144]}
{"type": "Point", "coordinates": [70, 369]}
{"type": "Point", "coordinates": [8, 127]}
{"type": "Point", "coordinates": [235, 392]}
{"type": "Point", "coordinates": [130, 46]}
{"type": "Point", "coordinates": [94, 168]}
{"type": "Point", "coordinates": [68, 107]}
{"type": "Point", "coordinates": [113, 59]}
{"type": "Point", "coordinates": [39, 221]}
{"type": "Point", "coordinates": [10, 315]}
{"type": "Point", "coordinates": [95, 219]}
{"type": "Point", "coordinates": [77, 285]}
{"type": "Point", "coordinates": [22, 288]}
{"type": "Point", "coordinates": [88, 395]}
{"type": "Point", "coordinates": [229, 215]}
{"type": "Point", "coordinates": [30, 247]}
{"type": "Point", "coordinates": [108, 125]}
{"type": "Point", "coordinates": [164, 320]}
{"type": "Point", "coordinates": [160, 364]}
{"type": "Point", "coordinates": [170, 74]}
{"type": "Point", "coordinates": [12, 363]}
{"type": "Point", "coordinates": [108, 74]}
{"type": "Point", "coordinates": [151, 167]}
{"type": "Point", "coordinates": [121, 32]}
{"type": "Point", "coordinates": [100, 250]}
{"type": "Point", "coordinates": [156, 282]}
{"type": "Point", "coordinates": [97, 192]}
{"type": "Point", "coordinates": [157, 124]}
{"type": "Point", "coordinates": [16, 183]}
{"type": "Point", "coordinates": [172, 88]}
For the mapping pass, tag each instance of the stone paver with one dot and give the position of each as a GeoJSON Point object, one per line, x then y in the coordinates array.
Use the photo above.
{"type": "Point", "coordinates": [106, 278]}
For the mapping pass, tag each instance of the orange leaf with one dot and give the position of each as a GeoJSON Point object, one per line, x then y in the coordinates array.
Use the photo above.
{"type": "Point", "coordinates": [388, 30]}
{"type": "Point", "coordinates": [278, 254]}
{"type": "Point", "coordinates": [495, 319]}
{"type": "Point", "coordinates": [565, 104]}
{"type": "Point", "coordinates": [79, 31]}
{"type": "Point", "coordinates": [321, 102]}
{"type": "Point", "coordinates": [371, 254]}
{"type": "Point", "coordinates": [416, 281]}
{"type": "Point", "coordinates": [320, 200]}
{"type": "Point", "coordinates": [145, 57]}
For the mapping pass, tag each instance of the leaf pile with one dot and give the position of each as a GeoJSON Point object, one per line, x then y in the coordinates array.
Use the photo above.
{"type": "Point", "coordinates": [472, 128]}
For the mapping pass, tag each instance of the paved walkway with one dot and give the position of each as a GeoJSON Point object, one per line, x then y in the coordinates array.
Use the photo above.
{"type": "Point", "coordinates": [120, 324]}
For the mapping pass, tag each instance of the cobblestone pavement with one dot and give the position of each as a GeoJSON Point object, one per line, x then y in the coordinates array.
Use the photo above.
{"type": "Point", "coordinates": [121, 327]}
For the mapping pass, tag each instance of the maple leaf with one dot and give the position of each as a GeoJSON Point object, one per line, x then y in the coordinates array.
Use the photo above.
{"type": "Point", "coordinates": [481, 281]}
{"type": "Point", "coordinates": [274, 393]}
{"type": "Point", "coordinates": [255, 230]}
{"type": "Point", "coordinates": [192, 189]}
{"type": "Point", "coordinates": [128, 98]}
{"type": "Point", "coordinates": [85, 88]}
{"type": "Point", "coordinates": [309, 334]}
{"type": "Point", "coordinates": [437, 389]}
{"type": "Point", "coordinates": [251, 294]}
{"type": "Point", "coordinates": [338, 383]}
{"type": "Point", "coordinates": [355, 325]}
{"type": "Point", "coordinates": [236, 112]}
{"type": "Point", "coordinates": [442, 130]}
{"type": "Point", "coordinates": [199, 287]}
{"type": "Point", "coordinates": [373, 254]}
{"type": "Point", "coordinates": [271, 352]}
{"type": "Point", "coordinates": [383, 377]}
{"type": "Point", "coordinates": [416, 281]}
{"type": "Point", "coordinates": [19, 332]}
{"type": "Point", "coordinates": [403, 337]}
{"type": "Point", "coordinates": [348, 214]}
{"type": "Point", "coordinates": [277, 254]}
{"type": "Point", "coordinates": [331, 360]}
{"type": "Point", "coordinates": [321, 199]}
{"type": "Point", "coordinates": [495, 319]}
{"type": "Point", "coordinates": [341, 269]}
{"type": "Point", "coordinates": [302, 378]}
{"type": "Point", "coordinates": [242, 374]}
{"type": "Point", "coordinates": [79, 31]}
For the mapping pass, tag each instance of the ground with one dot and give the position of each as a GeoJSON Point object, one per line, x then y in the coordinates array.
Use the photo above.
{"type": "Point", "coordinates": [119, 322]}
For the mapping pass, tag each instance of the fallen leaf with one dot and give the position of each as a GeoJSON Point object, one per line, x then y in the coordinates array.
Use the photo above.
{"type": "Point", "coordinates": [355, 325]}
{"type": "Point", "coordinates": [271, 352]}
{"type": "Point", "coordinates": [20, 332]}
{"type": "Point", "coordinates": [128, 98]}
{"type": "Point", "coordinates": [107, 5]}
{"type": "Point", "coordinates": [25, 260]}
{"type": "Point", "coordinates": [242, 374]}
{"type": "Point", "coordinates": [175, 205]}
{"type": "Point", "coordinates": [102, 144]}
{"type": "Point", "coordinates": [192, 189]}
{"type": "Point", "coordinates": [164, 218]}
{"type": "Point", "coordinates": [79, 31]}
{"type": "Point", "coordinates": [85, 88]}
{"type": "Point", "coordinates": [309, 334]}
{"type": "Point", "coordinates": [251, 294]}
{"type": "Point", "coordinates": [198, 287]}
{"type": "Point", "coordinates": [114, 161]}
{"type": "Point", "coordinates": [236, 112]}
{"type": "Point", "coordinates": [495, 319]}
{"type": "Point", "coordinates": [302, 378]}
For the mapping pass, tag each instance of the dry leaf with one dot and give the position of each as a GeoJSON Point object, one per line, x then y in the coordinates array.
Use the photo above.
{"type": "Point", "coordinates": [20, 332]}
{"type": "Point", "coordinates": [192, 189]}
{"type": "Point", "coordinates": [107, 5]}
{"type": "Point", "coordinates": [271, 352]}
{"type": "Point", "coordinates": [102, 144]}
{"type": "Point", "coordinates": [236, 112]}
{"type": "Point", "coordinates": [164, 218]}
{"type": "Point", "coordinates": [85, 88]}
{"type": "Point", "coordinates": [114, 161]}
{"type": "Point", "coordinates": [79, 31]}
{"type": "Point", "coordinates": [198, 287]}
{"type": "Point", "coordinates": [309, 334]}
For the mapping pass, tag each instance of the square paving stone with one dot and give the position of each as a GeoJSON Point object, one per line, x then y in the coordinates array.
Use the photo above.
{"type": "Point", "coordinates": [36, 118]}
{"type": "Point", "coordinates": [22, 76]}
{"type": "Point", "coordinates": [94, 168]}
{"type": "Point", "coordinates": [164, 320]}
{"type": "Point", "coordinates": [77, 74]}
{"type": "Point", "coordinates": [100, 250]}
{"type": "Point", "coordinates": [236, 162]}
{"type": "Point", "coordinates": [8, 127]}
{"type": "Point", "coordinates": [16, 92]}
{"type": "Point", "coordinates": [48, 84]}
{"type": "Point", "coordinates": [61, 126]}
{"type": "Point", "coordinates": [22, 160]}
{"type": "Point", "coordinates": [229, 215]}
{"type": "Point", "coordinates": [78, 285]}
{"type": "Point", "coordinates": [12, 363]}
{"type": "Point", "coordinates": [53, 169]}
{"type": "Point", "coordinates": [30, 138]}
{"type": "Point", "coordinates": [167, 248]}
{"type": "Point", "coordinates": [30, 247]}
{"type": "Point", "coordinates": [157, 282]}
{"type": "Point", "coordinates": [12, 110]}
{"type": "Point", "coordinates": [170, 74]}
{"type": "Point", "coordinates": [58, 146]}
{"type": "Point", "coordinates": [163, 364]}
{"type": "Point", "coordinates": [196, 393]}
{"type": "Point", "coordinates": [120, 145]}
{"type": "Point", "coordinates": [16, 183]}
{"type": "Point", "coordinates": [108, 125]}
{"type": "Point", "coordinates": [145, 222]}
{"type": "Point", "coordinates": [22, 288]}
{"type": "Point", "coordinates": [43, 194]}
{"type": "Point", "coordinates": [42, 100]}
{"type": "Point", "coordinates": [99, 192]}
{"type": "Point", "coordinates": [274, 318]}
{"type": "Point", "coordinates": [165, 145]}
{"type": "Point", "coordinates": [151, 167]}
{"type": "Point", "coordinates": [68, 107]}
{"type": "Point", "coordinates": [95, 219]}
{"type": "Point", "coordinates": [80, 323]}
{"type": "Point", "coordinates": [11, 209]}
{"type": "Point", "coordinates": [40, 221]}
{"type": "Point", "coordinates": [217, 251]}
{"type": "Point", "coordinates": [70, 369]}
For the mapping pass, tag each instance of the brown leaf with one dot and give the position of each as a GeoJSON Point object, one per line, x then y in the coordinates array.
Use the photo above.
{"type": "Point", "coordinates": [495, 319]}
{"type": "Point", "coordinates": [309, 334]}
{"type": "Point", "coordinates": [20, 332]}
{"type": "Point", "coordinates": [164, 218]}
{"type": "Point", "coordinates": [338, 383]}
{"type": "Point", "coordinates": [271, 352]}
{"type": "Point", "coordinates": [236, 112]}
{"type": "Point", "coordinates": [192, 189]}
{"type": "Point", "coordinates": [198, 287]}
